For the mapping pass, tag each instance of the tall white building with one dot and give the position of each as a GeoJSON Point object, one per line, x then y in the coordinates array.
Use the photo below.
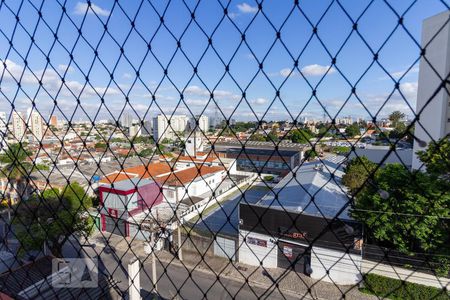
{"type": "Point", "coordinates": [203, 123]}
{"type": "Point", "coordinates": [135, 131]}
{"type": "Point", "coordinates": [147, 129]}
{"type": "Point", "coordinates": [36, 126]}
{"type": "Point", "coordinates": [19, 126]}
{"type": "Point", "coordinates": [434, 122]}
{"type": "Point", "coordinates": [162, 130]}
{"type": "Point", "coordinates": [3, 124]}
{"type": "Point", "coordinates": [126, 120]}
{"type": "Point", "coordinates": [194, 144]}
{"type": "Point", "coordinates": [3, 129]}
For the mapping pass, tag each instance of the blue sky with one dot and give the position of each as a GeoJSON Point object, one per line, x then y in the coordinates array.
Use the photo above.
{"type": "Point", "coordinates": [314, 53]}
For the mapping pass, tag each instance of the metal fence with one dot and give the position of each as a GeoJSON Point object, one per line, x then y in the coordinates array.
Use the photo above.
{"type": "Point", "coordinates": [230, 149]}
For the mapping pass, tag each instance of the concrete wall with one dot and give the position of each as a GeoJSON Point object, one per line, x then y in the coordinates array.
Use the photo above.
{"type": "Point", "coordinates": [200, 244]}
{"type": "Point", "coordinates": [342, 268]}
{"type": "Point", "coordinates": [370, 267]}
{"type": "Point", "coordinates": [253, 255]}
{"type": "Point", "coordinates": [433, 123]}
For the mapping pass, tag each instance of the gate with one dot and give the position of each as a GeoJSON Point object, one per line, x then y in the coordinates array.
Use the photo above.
{"type": "Point", "coordinates": [225, 247]}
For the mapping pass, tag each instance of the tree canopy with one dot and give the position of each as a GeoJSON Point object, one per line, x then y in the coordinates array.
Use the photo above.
{"type": "Point", "coordinates": [401, 209]}
{"type": "Point", "coordinates": [300, 136]}
{"type": "Point", "coordinates": [14, 159]}
{"type": "Point", "coordinates": [395, 117]}
{"type": "Point", "coordinates": [357, 172]}
{"type": "Point", "coordinates": [52, 217]}
{"type": "Point", "coordinates": [352, 130]}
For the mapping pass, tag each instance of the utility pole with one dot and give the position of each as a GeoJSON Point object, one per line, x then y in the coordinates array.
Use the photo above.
{"type": "Point", "coordinates": [180, 252]}
{"type": "Point", "coordinates": [152, 246]}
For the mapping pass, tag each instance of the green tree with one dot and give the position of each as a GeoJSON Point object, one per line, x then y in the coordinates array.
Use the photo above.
{"type": "Point", "coordinates": [146, 152]}
{"type": "Point", "coordinates": [310, 154]}
{"type": "Point", "coordinates": [357, 172]}
{"type": "Point", "coordinates": [300, 136]}
{"type": "Point", "coordinates": [257, 137]}
{"type": "Point", "coordinates": [272, 136]}
{"type": "Point", "coordinates": [395, 117]}
{"type": "Point", "coordinates": [403, 210]}
{"type": "Point", "coordinates": [16, 169]}
{"type": "Point", "coordinates": [352, 130]}
{"type": "Point", "coordinates": [52, 217]}
{"type": "Point", "coordinates": [100, 146]}
{"type": "Point", "coordinates": [399, 131]}
{"type": "Point", "coordinates": [436, 159]}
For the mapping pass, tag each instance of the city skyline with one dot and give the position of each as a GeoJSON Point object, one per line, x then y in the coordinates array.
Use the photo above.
{"type": "Point", "coordinates": [152, 90]}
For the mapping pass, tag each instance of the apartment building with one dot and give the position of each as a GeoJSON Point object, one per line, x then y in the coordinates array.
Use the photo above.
{"type": "Point", "coordinates": [19, 125]}
{"type": "Point", "coordinates": [36, 126]}
{"type": "Point", "coordinates": [169, 127]}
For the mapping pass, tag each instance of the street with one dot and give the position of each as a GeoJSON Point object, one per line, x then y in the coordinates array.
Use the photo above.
{"type": "Point", "coordinates": [176, 282]}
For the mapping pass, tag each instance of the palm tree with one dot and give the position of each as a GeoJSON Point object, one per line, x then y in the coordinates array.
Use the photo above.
{"type": "Point", "coordinates": [395, 117]}
{"type": "Point", "coordinates": [16, 169]}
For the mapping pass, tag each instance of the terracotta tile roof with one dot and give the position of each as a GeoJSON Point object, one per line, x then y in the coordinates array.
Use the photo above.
{"type": "Point", "coordinates": [183, 177]}
{"type": "Point", "coordinates": [183, 158]}
{"type": "Point", "coordinates": [142, 171]}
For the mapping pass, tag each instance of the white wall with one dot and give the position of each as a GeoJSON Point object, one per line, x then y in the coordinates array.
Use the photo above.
{"type": "Point", "coordinates": [404, 274]}
{"type": "Point", "coordinates": [434, 118]}
{"type": "Point", "coordinates": [254, 256]}
{"type": "Point", "coordinates": [343, 268]}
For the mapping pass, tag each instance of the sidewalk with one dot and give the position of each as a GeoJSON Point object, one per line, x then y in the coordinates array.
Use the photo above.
{"type": "Point", "coordinates": [289, 282]}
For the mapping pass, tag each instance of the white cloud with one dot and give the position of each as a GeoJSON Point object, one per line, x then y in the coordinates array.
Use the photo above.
{"type": "Point", "coordinates": [196, 102]}
{"type": "Point", "coordinates": [258, 101]}
{"type": "Point", "coordinates": [218, 94]}
{"type": "Point", "coordinates": [286, 72]}
{"type": "Point", "coordinates": [246, 8]}
{"type": "Point", "coordinates": [51, 81]}
{"type": "Point", "coordinates": [316, 70]}
{"type": "Point", "coordinates": [196, 90]}
{"type": "Point", "coordinates": [409, 90]}
{"type": "Point", "coordinates": [402, 73]}
{"type": "Point", "coordinates": [63, 68]}
{"type": "Point", "coordinates": [127, 76]}
{"type": "Point", "coordinates": [81, 8]}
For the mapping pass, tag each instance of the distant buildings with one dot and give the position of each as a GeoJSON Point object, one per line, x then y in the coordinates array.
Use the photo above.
{"type": "Point", "coordinates": [434, 122]}
{"type": "Point", "coordinates": [3, 129]}
{"type": "Point", "coordinates": [3, 123]}
{"type": "Point", "coordinates": [163, 130]}
{"type": "Point", "coordinates": [54, 121]}
{"type": "Point", "coordinates": [126, 121]}
{"type": "Point", "coordinates": [18, 125]}
{"type": "Point", "coordinates": [36, 126]}
{"type": "Point", "coordinates": [203, 123]}
{"type": "Point", "coordinates": [261, 157]}
{"type": "Point", "coordinates": [135, 131]}
{"type": "Point", "coordinates": [147, 129]}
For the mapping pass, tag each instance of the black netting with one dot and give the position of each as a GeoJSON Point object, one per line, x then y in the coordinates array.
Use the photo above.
{"type": "Point", "coordinates": [231, 149]}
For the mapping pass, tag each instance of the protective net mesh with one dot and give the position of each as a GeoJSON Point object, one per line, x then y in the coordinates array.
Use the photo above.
{"type": "Point", "coordinates": [231, 149]}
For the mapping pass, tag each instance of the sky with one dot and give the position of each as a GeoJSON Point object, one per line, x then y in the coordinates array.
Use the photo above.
{"type": "Point", "coordinates": [148, 57]}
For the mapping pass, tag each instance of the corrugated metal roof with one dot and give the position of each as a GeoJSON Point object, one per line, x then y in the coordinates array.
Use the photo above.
{"type": "Point", "coordinates": [314, 191]}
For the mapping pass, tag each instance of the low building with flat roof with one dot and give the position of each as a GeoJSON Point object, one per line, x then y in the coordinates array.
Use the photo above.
{"type": "Point", "coordinates": [304, 225]}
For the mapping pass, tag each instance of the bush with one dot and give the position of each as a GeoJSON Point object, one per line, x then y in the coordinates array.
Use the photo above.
{"type": "Point", "coordinates": [385, 287]}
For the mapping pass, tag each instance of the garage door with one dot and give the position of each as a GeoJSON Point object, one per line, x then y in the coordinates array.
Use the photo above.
{"type": "Point", "coordinates": [116, 226]}
{"type": "Point", "coordinates": [293, 256]}
{"type": "Point", "coordinates": [225, 247]}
